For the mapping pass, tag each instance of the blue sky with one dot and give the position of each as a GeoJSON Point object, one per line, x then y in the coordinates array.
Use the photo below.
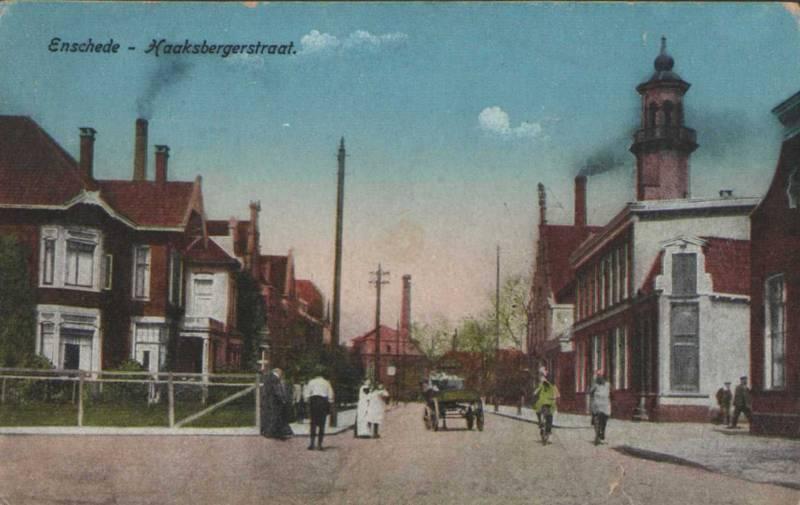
{"type": "Point", "coordinates": [452, 113]}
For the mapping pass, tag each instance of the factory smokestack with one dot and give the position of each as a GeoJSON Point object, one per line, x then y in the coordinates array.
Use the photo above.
{"type": "Point", "coordinates": [140, 151]}
{"type": "Point", "coordinates": [580, 201]}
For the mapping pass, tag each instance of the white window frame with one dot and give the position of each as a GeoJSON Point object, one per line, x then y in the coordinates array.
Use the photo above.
{"type": "Point", "coordinates": [54, 270]}
{"type": "Point", "coordinates": [770, 380]}
{"type": "Point", "coordinates": [145, 295]}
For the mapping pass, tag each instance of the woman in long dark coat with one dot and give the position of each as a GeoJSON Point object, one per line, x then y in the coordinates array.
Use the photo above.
{"type": "Point", "coordinates": [274, 406]}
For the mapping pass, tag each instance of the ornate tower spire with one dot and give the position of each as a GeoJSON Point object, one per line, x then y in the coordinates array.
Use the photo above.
{"type": "Point", "coordinates": [663, 144]}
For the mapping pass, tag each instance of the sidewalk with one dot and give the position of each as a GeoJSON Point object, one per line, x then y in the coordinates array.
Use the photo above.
{"type": "Point", "coordinates": [735, 453]}
{"type": "Point", "coordinates": [346, 420]}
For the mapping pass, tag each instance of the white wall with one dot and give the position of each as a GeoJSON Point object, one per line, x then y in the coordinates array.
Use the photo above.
{"type": "Point", "coordinates": [217, 307]}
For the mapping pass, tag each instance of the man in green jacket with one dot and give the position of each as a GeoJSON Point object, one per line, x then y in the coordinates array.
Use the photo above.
{"type": "Point", "coordinates": [546, 397]}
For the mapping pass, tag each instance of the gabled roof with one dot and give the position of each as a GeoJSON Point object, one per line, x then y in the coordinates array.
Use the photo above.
{"type": "Point", "coordinates": [728, 262]}
{"type": "Point", "coordinates": [208, 253]}
{"type": "Point", "coordinates": [152, 204]}
{"type": "Point", "coordinates": [390, 336]}
{"type": "Point", "coordinates": [386, 332]}
{"type": "Point", "coordinates": [34, 169]}
{"type": "Point", "coordinates": [308, 292]}
{"type": "Point", "coordinates": [560, 241]}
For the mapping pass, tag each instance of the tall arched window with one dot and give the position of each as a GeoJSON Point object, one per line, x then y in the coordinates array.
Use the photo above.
{"type": "Point", "coordinates": [667, 113]}
{"type": "Point", "coordinates": [651, 115]}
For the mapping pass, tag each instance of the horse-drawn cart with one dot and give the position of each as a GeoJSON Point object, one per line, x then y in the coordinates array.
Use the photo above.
{"type": "Point", "coordinates": [446, 399]}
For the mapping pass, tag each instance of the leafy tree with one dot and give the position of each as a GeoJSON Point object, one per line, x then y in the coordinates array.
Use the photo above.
{"type": "Point", "coordinates": [251, 318]}
{"type": "Point", "coordinates": [434, 338]}
{"type": "Point", "coordinates": [17, 305]}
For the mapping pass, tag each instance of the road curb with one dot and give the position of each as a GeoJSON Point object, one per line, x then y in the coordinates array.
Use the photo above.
{"type": "Point", "coordinates": [661, 457]}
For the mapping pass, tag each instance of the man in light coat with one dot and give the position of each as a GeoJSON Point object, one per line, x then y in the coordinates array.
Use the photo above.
{"type": "Point", "coordinates": [600, 406]}
{"type": "Point", "coordinates": [377, 405]}
{"type": "Point", "coordinates": [319, 395]}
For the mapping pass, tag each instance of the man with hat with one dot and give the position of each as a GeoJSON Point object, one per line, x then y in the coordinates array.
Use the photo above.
{"type": "Point", "coordinates": [741, 401]}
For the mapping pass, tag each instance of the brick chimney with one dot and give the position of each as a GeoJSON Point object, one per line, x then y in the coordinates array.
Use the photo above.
{"type": "Point", "coordinates": [87, 152]}
{"type": "Point", "coordinates": [580, 201]}
{"type": "Point", "coordinates": [162, 155]}
{"type": "Point", "coordinates": [253, 246]}
{"type": "Point", "coordinates": [140, 151]}
{"type": "Point", "coordinates": [405, 308]}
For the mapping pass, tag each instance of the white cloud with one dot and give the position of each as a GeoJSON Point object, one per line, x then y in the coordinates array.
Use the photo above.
{"type": "Point", "coordinates": [315, 41]}
{"type": "Point", "coordinates": [495, 120]}
{"type": "Point", "coordinates": [320, 42]}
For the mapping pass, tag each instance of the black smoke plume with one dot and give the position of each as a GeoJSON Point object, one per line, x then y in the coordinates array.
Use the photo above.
{"type": "Point", "coordinates": [166, 74]}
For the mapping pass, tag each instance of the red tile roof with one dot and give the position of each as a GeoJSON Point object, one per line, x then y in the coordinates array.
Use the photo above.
{"type": "Point", "coordinates": [388, 335]}
{"type": "Point", "coordinates": [210, 254]}
{"type": "Point", "coordinates": [655, 270]}
{"type": "Point", "coordinates": [728, 263]}
{"type": "Point", "coordinates": [149, 203]}
{"type": "Point", "coordinates": [34, 169]}
{"type": "Point", "coordinates": [308, 292]}
{"type": "Point", "coordinates": [561, 241]}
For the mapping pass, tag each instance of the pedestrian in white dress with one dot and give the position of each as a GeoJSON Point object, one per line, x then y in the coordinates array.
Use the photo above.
{"type": "Point", "coordinates": [362, 411]}
{"type": "Point", "coordinates": [377, 405]}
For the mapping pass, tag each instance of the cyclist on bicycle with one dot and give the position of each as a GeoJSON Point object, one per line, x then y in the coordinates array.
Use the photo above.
{"type": "Point", "coordinates": [546, 396]}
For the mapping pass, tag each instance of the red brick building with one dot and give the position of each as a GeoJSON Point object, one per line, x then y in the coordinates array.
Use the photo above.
{"type": "Point", "coordinates": [552, 295]}
{"type": "Point", "coordinates": [402, 363]}
{"type": "Point", "coordinates": [775, 284]}
{"type": "Point", "coordinates": [108, 258]}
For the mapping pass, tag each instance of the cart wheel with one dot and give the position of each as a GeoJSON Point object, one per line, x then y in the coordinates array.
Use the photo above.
{"type": "Point", "coordinates": [480, 420]}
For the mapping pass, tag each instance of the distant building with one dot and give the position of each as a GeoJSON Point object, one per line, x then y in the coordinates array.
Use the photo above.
{"type": "Point", "coordinates": [402, 363]}
{"type": "Point", "coordinates": [775, 289]}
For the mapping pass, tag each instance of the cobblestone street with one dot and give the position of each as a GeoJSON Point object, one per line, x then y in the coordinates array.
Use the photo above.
{"type": "Point", "coordinates": [503, 464]}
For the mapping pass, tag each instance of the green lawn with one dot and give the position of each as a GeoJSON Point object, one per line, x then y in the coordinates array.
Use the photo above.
{"type": "Point", "coordinates": [239, 413]}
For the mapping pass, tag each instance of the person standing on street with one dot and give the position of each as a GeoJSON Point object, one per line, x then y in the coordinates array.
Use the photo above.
{"type": "Point", "coordinates": [741, 402]}
{"type": "Point", "coordinates": [377, 406]}
{"type": "Point", "coordinates": [362, 411]}
{"type": "Point", "coordinates": [275, 406]}
{"type": "Point", "coordinates": [724, 398]}
{"type": "Point", "coordinates": [600, 406]}
{"type": "Point", "coordinates": [319, 395]}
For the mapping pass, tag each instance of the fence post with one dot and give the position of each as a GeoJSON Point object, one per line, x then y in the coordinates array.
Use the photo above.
{"type": "Point", "coordinates": [80, 399]}
{"type": "Point", "coordinates": [3, 392]}
{"type": "Point", "coordinates": [258, 401]}
{"type": "Point", "coordinates": [171, 397]}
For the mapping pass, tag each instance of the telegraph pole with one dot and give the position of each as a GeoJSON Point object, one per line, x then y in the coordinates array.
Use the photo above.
{"type": "Point", "coordinates": [379, 281]}
{"type": "Point", "coordinates": [337, 269]}
{"type": "Point", "coordinates": [497, 330]}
